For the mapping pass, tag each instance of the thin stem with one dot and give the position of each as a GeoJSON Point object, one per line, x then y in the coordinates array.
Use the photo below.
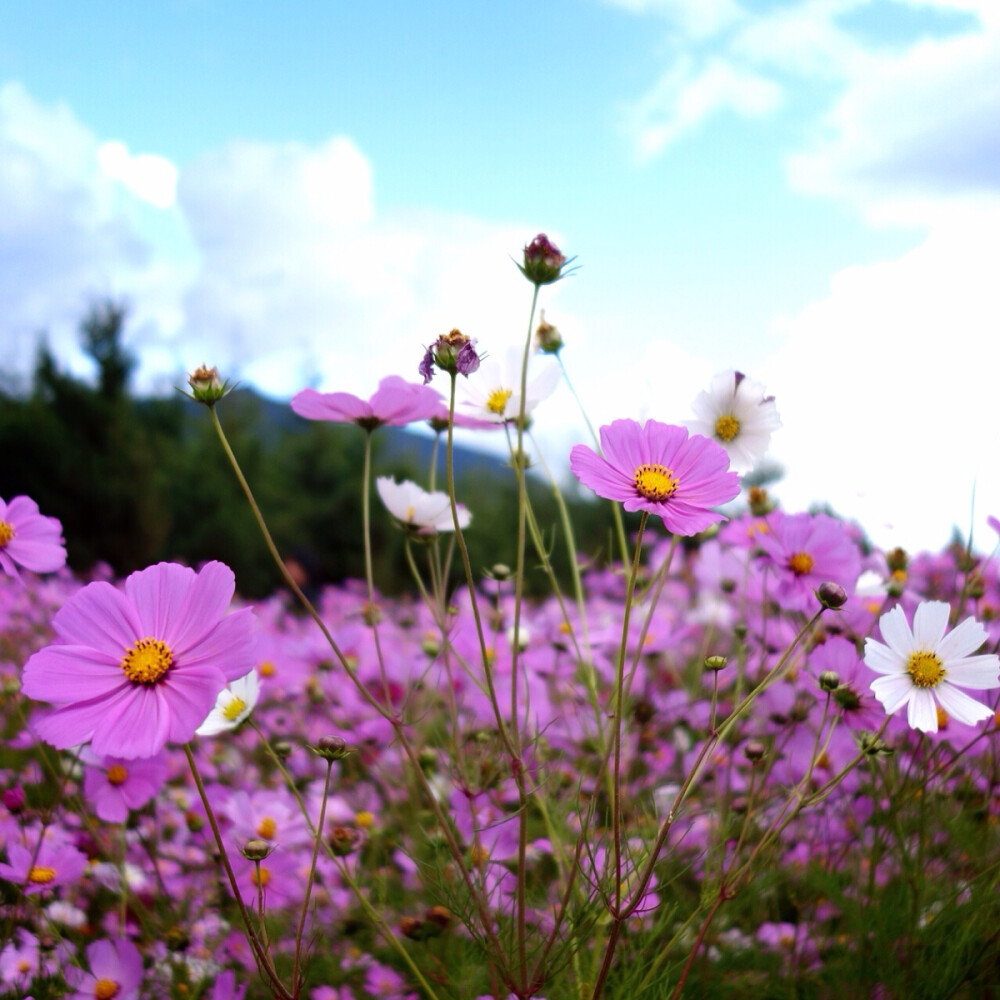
{"type": "Point", "coordinates": [260, 955]}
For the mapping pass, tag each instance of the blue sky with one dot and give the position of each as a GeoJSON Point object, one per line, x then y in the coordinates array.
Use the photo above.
{"type": "Point", "coordinates": [806, 190]}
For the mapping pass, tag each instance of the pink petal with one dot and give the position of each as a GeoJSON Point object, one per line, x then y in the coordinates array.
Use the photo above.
{"type": "Point", "coordinates": [101, 617]}
{"type": "Point", "coordinates": [64, 674]}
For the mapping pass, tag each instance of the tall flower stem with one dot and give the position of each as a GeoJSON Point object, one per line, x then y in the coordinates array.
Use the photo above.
{"type": "Point", "coordinates": [263, 960]}
{"type": "Point", "coordinates": [399, 730]}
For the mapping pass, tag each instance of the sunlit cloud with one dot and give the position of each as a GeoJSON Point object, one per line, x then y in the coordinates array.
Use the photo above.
{"type": "Point", "coordinates": [687, 94]}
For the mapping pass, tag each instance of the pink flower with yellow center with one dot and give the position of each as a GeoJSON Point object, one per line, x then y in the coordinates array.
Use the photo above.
{"type": "Point", "coordinates": [42, 869]}
{"type": "Point", "coordinates": [659, 468]}
{"type": "Point", "coordinates": [28, 539]}
{"type": "Point", "coordinates": [140, 668]}
{"type": "Point", "coordinates": [115, 972]}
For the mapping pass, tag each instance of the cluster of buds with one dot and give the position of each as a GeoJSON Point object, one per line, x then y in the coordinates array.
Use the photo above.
{"type": "Point", "coordinates": [453, 352]}
{"type": "Point", "coordinates": [433, 923]}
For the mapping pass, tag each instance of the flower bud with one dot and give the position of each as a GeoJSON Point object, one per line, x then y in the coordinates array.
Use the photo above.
{"type": "Point", "coordinates": [343, 840]}
{"type": "Point", "coordinates": [206, 386]}
{"type": "Point", "coordinates": [547, 337]}
{"type": "Point", "coordinates": [332, 748]}
{"type": "Point", "coordinates": [715, 662]}
{"type": "Point", "coordinates": [454, 353]}
{"type": "Point", "coordinates": [282, 749]}
{"type": "Point", "coordinates": [256, 850]}
{"type": "Point", "coordinates": [543, 261]}
{"type": "Point", "coordinates": [14, 799]}
{"type": "Point", "coordinates": [874, 746]}
{"type": "Point", "coordinates": [829, 680]}
{"type": "Point", "coordinates": [754, 751]}
{"type": "Point", "coordinates": [831, 595]}
{"type": "Point", "coordinates": [760, 502]}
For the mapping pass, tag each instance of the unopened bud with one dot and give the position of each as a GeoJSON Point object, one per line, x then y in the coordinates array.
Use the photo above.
{"type": "Point", "coordinates": [759, 501]}
{"type": "Point", "coordinates": [543, 261]}
{"type": "Point", "coordinates": [332, 748]}
{"type": "Point", "coordinates": [14, 799]}
{"type": "Point", "coordinates": [282, 749]}
{"type": "Point", "coordinates": [754, 751]}
{"type": "Point", "coordinates": [829, 680]}
{"type": "Point", "coordinates": [716, 662]}
{"type": "Point", "coordinates": [256, 850]}
{"type": "Point", "coordinates": [206, 386]}
{"type": "Point", "coordinates": [874, 746]}
{"type": "Point", "coordinates": [344, 839]}
{"type": "Point", "coordinates": [548, 338]}
{"type": "Point", "coordinates": [831, 595]}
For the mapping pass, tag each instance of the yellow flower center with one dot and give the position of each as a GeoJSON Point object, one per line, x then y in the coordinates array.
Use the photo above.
{"type": "Point", "coordinates": [261, 876]}
{"type": "Point", "coordinates": [497, 401]}
{"type": "Point", "coordinates": [800, 563]}
{"type": "Point", "coordinates": [655, 482]}
{"type": "Point", "coordinates": [105, 989]}
{"type": "Point", "coordinates": [925, 669]}
{"type": "Point", "coordinates": [147, 660]}
{"type": "Point", "coordinates": [267, 669]}
{"type": "Point", "coordinates": [117, 774]}
{"type": "Point", "coordinates": [232, 711]}
{"type": "Point", "coordinates": [267, 828]}
{"type": "Point", "coordinates": [41, 875]}
{"type": "Point", "coordinates": [6, 533]}
{"type": "Point", "coordinates": [364, 819]}
{"type": "Point", "coordinates": [727, 427]}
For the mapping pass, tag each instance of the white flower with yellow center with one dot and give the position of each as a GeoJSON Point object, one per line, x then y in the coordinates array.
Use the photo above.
{"type": "Point", "coordinates": [235, 703]}
{"type": "Point", "coordinates": [924, 668]}
{"type": "Point", "coordinates": [735, 412]}
{"type": "Point", "coordinates": [419, 511]}
{"type": "Point", "coordinates": [493, 393]}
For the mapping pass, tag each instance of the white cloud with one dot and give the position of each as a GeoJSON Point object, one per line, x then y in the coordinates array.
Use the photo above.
{"type": "Point", "coordinates": [150, 178]}
{"type": "Point", "coordinates": [886, 389]}
{"type": "Point", "coordinates": [912, 131]}
{"type": "Point", "coordinates": [64, 235]}
{"type": "Point", "coordinates": [688, 94]}
{"type": "Point", "coordinates": [300, 274]}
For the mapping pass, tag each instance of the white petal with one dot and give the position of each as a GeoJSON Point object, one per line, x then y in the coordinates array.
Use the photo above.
{"type": "Point", "coordinates": [882, 659]}
{"type": "Point", "coordinates": [930, 621]}
{"type": "Point", "coordinates": [965, 638]}
{"type": "Point", "coordinates": [960, 706]}
{"type": "Point", "coordinates": [896, 632]}
{"type": "Point", "coordinates": [921, 713]}
{"type": "Point", "coordinates": [978, 672]}
{"type": "Point", "coordinates": [893, 691]}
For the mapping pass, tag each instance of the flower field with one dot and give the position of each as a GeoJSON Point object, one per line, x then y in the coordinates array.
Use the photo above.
{"type": "Point", "coordinates": [743, 753]}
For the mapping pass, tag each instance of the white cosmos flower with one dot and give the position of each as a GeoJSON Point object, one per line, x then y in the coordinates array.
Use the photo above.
{"type": "Point", "coordinates": [735, 412]}
{"type": "Point", "coordinates": [423, 512]}
{"type": "Point", "coordinates": [234, 704]}
{"type": "Point", "coordinates": [924, 668]}
{"type": "Point", "coordinates": [493, 392]}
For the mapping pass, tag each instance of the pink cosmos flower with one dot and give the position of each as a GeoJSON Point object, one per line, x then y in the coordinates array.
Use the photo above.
{"type": "Point", "coordinates": [51, 865]}
{"type": "Point", "coordinates": [804, 550]}
{"type": "Point", "coordinates": [659, 468]}
{"type": "Point", "coordinates": [139, 669]}
{"type": "Point", "coordinates": [29, 539]}
{"type": "Point", "coordinates": [114, 786]}
{"type": "Point", "coordinates": [396, 402]}
{"type": "Point", "coordinates": [115, 971]}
